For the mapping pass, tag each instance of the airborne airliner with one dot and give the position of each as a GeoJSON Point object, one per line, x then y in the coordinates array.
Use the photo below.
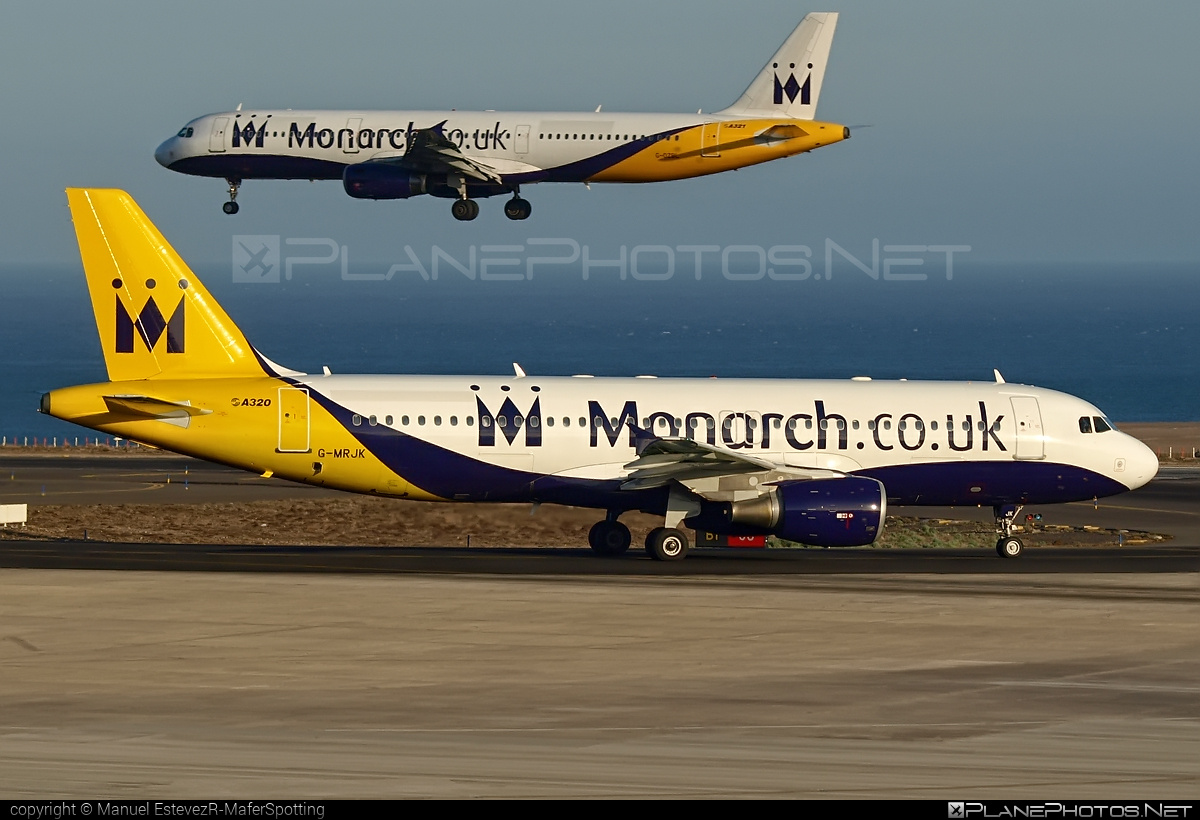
{"type": "Point", "coordinates": [462, 155]}
{"type": "Point", "coordinates": [809, 461]}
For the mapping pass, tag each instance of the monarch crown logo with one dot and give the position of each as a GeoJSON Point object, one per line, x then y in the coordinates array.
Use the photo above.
{"type": "Point", "coordinates": [510, 421]}
{"type": "Point", "coordinates": [151, 325]}
{"type": "Point", "coordinates": [792, 88]}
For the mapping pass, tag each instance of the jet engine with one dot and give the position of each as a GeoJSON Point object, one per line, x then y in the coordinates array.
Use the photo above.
{"type": "Point", "coordinates": [826, 512]}
{"type": "Point", "coordinates": [375, 180]}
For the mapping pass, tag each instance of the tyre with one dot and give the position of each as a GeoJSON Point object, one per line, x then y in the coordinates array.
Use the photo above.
{"type": "Point", "coordinates": [609, 538]}
{"type": "Point", "coordinates": [464, 210]}
{"type": "Point", "coordinates": [230, 208]}
{"type": "Point", "coordinates": [518, 208]}
{"type": "Point", "coordinates": [1009, 547]}
{"type": "Point", "coordinates": [667, 544]}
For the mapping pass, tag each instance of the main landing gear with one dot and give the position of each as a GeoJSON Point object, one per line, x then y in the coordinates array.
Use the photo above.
{"type": "Point", "coordinates": [667, 544]}
{"type": "Point", "coordinates": [517, 208]}
{"type": "Point", "coordinates": [1008, 546]}
{"type": "Point", "coordinates": [612, 538]}
{"type": "Point", "coordinates": [609, 537]}
{"type": "Point", "coordinates": [465, 210]}
{"type": "Point", "coordinates": [231, 207]}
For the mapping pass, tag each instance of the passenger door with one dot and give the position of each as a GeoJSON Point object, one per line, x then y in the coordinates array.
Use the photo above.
{"type": "Point", "coordinates": [1031, 438]}
{"type": "Point", "coordinates": [216, 140]}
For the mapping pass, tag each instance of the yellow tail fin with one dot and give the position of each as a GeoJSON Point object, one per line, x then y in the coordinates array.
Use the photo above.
{"type": "Point", "coordinates": [155, 318]}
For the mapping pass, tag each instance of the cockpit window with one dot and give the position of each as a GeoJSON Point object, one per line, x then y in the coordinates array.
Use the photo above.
{"type": "Point", "coordinates": [186, 131]}
{"type": "Point", "coordinates": [1101, 425]}
{"type": "Point", "coordinates": [1085, 424]}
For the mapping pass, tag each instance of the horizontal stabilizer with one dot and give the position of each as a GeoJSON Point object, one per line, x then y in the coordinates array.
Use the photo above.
{"type": "Point", "coordinates": [151, 408]}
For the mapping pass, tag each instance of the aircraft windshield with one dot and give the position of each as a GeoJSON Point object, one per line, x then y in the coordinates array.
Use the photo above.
{"type": "Point", "coordinates": [185, 132]}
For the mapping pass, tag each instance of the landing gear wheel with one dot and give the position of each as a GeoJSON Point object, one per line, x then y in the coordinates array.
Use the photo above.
{"type": "Point", "coordinates": [465, 210]}
{"type": "Point", "coordinates": [1010, 547]}
{"type": "Point", "coordinates": [230, 208]}
{"type": "Point", "coordinates": [517, 208]}
{"type": "Point", "coordinates": [667, 544]}
{"type": "Point", "coordinates": [609, 538]}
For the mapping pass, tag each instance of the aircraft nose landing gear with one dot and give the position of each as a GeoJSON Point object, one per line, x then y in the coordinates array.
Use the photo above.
{"type": "Point", "coordinates": [1008, 546]}
{"type": "Point", "coordinates": [231, 207]}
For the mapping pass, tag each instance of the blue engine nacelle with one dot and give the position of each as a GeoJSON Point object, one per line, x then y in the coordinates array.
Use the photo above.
{"type": "Point", "coordinates": [831, 512]}
{"type": "Point", "coordinates": [822, 512]}
{"type": "Point", "coordinates": [374, 180]}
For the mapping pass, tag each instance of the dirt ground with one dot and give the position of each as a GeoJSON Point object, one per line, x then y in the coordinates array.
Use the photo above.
{"type": "Point", "coordinates": [379, 522]}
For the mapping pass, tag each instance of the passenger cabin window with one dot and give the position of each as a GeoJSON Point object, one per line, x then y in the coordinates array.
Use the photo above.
{"type": "Point", "coordinates": [1085, 424]}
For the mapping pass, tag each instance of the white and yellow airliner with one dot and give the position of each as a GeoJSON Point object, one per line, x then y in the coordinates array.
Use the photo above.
{"type": "Point", "coordinates": [809, 461]}
{"type": "Point", "coordinates": [462, 155]}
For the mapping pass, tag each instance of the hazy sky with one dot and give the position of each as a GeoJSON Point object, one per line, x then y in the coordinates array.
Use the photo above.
{"type": "Point", "coordinates": [1032, 131]}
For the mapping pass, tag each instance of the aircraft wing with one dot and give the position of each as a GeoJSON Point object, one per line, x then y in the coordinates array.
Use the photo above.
{"type": "Point", "coordinates": [661, 461]}
{"type": "Point", "coordinates": [429, 151]}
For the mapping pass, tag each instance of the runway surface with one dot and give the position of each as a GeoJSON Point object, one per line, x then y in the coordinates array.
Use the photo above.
{"type": "Point", "coordinates": [345, 672]}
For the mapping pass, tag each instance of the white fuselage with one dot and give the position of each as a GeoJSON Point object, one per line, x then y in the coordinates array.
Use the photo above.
{"type": "Point", "coordinates": [928, 442]}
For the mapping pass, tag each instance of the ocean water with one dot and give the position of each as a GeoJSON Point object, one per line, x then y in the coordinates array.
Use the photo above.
{"type": "Point", "coordinates": [1125, 338]}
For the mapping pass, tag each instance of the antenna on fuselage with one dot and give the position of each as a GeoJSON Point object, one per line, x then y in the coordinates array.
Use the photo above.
{"type": "Point", "coordinates": [999, 378]}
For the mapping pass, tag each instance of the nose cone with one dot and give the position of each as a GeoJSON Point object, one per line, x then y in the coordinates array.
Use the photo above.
{"type": "Point", "coordinates": [1141, 465]}
{"type": "Point", "coordinates": [165, 154]}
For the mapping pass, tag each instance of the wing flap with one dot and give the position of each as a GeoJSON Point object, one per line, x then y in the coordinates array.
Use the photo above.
{"type": "Point", "coordinates": [429, 151]}
{"type": "Point", "coordinates": [664, 460]}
